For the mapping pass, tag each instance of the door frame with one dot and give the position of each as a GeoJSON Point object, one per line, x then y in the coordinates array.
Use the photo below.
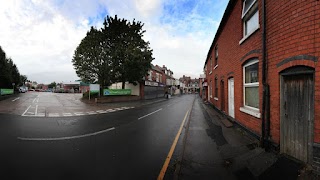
{"type": "Point", "coordinates": [233, 115]}
{"type": "Point", "coordinates": [298, 70]}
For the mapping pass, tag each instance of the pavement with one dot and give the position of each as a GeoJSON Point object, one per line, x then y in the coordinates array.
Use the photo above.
{"type": "Point", "coordinates": [213, 149]}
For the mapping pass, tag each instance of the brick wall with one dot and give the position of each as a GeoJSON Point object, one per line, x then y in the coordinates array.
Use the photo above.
{"type": "Point", "coordinates": [293, 31]}
{"type": "Point", "coordinates": [292, 39]}
{"type": "Point", "coordinates": [232, 56]}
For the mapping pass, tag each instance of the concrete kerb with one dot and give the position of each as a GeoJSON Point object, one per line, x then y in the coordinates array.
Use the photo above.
{"type": "Point", "coordinates": [184, 141]}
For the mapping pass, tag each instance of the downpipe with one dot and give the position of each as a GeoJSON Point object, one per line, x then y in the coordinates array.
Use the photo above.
{"type": "Point", "coordinates": [265, 124]}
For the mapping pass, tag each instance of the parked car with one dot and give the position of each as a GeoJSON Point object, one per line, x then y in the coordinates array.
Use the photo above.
{"type": "Point", "coordinates": [23, 89]}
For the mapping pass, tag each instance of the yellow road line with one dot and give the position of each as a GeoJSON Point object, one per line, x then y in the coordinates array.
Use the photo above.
{"type": "Point", "coordinates": [166, 163]}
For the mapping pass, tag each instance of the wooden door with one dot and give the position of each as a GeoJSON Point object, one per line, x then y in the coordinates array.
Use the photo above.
{"type": "Point", "coordinates": [231, 97]}
{"type": "Point", "coordinates": [297, 109]}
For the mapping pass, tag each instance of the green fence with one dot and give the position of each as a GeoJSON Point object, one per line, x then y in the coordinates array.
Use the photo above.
{"type": "Point", "coordinates": [116, 92]}
{"type": "Point", "coordinates": [6, 91]}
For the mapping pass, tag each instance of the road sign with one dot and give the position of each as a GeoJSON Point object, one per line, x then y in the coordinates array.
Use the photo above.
{"type": "Point", "coordinates": [6, 91]}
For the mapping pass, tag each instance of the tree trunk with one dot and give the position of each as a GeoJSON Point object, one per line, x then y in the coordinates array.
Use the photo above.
{"type": "Point", "coordinates": [123, 84]}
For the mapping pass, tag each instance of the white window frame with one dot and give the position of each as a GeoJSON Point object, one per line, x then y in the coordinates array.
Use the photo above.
{"type": "Point", "coordinates": [243, 5]}
{"type": "Point", "coordinates": [150, 76]}
{"type": "Point", "coordinates": [245, 85]}
{"type": "Point", "coordinates": [247, 16]}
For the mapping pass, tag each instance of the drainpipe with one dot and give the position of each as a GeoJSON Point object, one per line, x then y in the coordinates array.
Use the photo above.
{"type": "Point", "coordinates": [265, 126]}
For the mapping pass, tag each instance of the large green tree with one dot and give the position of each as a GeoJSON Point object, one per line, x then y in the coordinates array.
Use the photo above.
{"type": "Point", "coordinates": [52, 85]}
{"type": "Point", "coordinates": [115, 53]}
{"type": "Point", "coordinates": [91, 59]}
{"type": "Point", "coordinates": [9, 72]}
{"type": "Point", "coordinates": [23, 79]}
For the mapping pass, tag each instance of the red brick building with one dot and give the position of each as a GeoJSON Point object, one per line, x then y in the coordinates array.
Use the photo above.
{"type": "Point", "coordinates": [153, 85]}
{"type": "Point", "coordinates": [262, 71]}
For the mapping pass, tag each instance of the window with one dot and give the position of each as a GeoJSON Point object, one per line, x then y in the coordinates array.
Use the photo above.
{"type": "Point", "coordinates": [216, 87]}
{"type": "Point", "coordinates": [251, 84]}
{"type": "Point", "coordinates": [157, 77]}
{"type": "Point", "coordinates": [216, 56]}
{"type": "Point", "coordinates": [160, 78]}
{"type": "Point", "coordinates": [250, 17]}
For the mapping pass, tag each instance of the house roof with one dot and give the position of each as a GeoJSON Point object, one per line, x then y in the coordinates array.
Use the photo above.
{"type": "Point", "coordinates": [156, 68]}
{"type": "Point", "coordinates": [223, 22]}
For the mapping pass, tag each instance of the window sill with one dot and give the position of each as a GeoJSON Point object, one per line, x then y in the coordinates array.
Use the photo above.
{"type": "Point", "coordinates": [215, 98]}
{"type": "Point", "coordinates": [215, 67]}
{"type": "Point", "coordinates": [251, 112]}
{"type": "Point", "coordinates": [210, 72]}
{"type": "Point", "coordinates": [248, 35]}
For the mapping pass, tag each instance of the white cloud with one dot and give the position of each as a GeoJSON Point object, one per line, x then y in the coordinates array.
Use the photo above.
{"type": "Point", "coordinates": [41, 36]}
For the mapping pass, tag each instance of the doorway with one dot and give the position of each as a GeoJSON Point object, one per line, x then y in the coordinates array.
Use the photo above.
{"type": "Point", "coordinates": [222, 95]}
{"type": "Point", "coordinates": [231, 97]}
{"type": "Point", "coordinates": [297, 112]}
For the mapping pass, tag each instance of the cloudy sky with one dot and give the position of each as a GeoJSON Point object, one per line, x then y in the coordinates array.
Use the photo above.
{"type": "Point", "coordinates": [41, 35]}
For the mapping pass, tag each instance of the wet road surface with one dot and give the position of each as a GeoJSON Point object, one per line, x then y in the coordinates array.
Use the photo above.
{"type": "Point", "coordinates": [127, 144]}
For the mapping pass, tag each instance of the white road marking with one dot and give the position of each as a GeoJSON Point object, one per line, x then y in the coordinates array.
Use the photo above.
{"type": "Point", "coordinates": [37, 100]}
{"type": "Point", "coordinates": [34, 100]}
{"type": "Point", "coordinates": [101, 111]}
{"type": "Point", "coordinates": [119, 109]}
{"type": "Point", "coordinates": [91, 112]}
{"type": "Point", "coordinates": [149, 114]}
{"type": "Point", "coordinates": [66, 114]}
{"type": "Point", "coordinates": [110, 110]}
{"type": "Point", "coordinates": [36, 112]}
{"type": "Point", "coordinates": [30, 112]}
{"type": "Point", "coordinates": [26, 110]}
{"type": "Point", "coordinates": [39, 115]}
{"type": "Point", "coordinates": [79, 113]}
{"type": "Point", "coordinates": [66, 138]}
{"type": "Point", "coordinates": [53, 115]}
{"type": "Point", "coordinates": [16, 99]}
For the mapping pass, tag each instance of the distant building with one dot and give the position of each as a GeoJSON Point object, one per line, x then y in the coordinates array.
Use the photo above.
{"type": "Point", "coordinates": [192, 85]}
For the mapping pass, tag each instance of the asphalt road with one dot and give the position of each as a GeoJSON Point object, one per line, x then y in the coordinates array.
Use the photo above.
{"type": "Point", "coordinates": [129, 143]}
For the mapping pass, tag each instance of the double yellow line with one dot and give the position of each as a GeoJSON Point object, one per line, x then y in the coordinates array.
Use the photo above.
{"type": "Point", "coordinates": [173, 146]}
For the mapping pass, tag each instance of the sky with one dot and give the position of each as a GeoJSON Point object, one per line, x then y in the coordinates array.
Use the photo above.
{"type": "Point", "coordinates": [41, 35]}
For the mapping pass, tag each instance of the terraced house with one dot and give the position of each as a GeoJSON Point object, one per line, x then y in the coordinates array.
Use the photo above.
{"type": "Point", "coordinates": [262, 71]}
